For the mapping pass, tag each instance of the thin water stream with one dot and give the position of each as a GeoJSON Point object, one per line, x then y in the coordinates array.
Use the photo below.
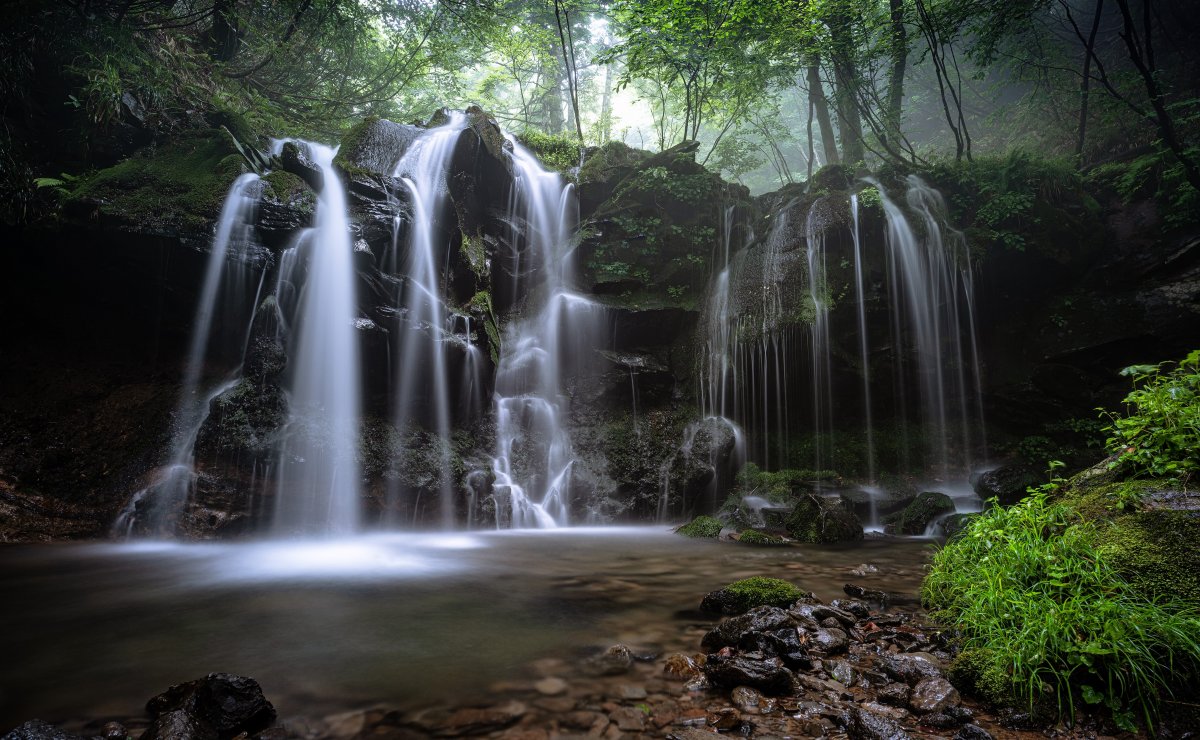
{"type": "Point", "coordinates": [411, 620]}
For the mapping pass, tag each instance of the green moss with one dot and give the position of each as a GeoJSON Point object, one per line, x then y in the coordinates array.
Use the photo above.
{"type": "Point", "coordinates": [915, 517]}
{"type": "Point", "coordinates": [475, 252]}
{"type": "Point", "coordinates": [177, 185]}
{"type": "Point", "coordinates": [351, 141]}
{"type": "Point", "coordinates": [980, 672]}
{"type": "Point", "coordinates": [823, 521]}
{"type": "Point", "coordinates": [758, 591]}
{"type": "Point", "coordinates": [558, 152]}
{"type": "Point", "coordinates": [615, 158]}
{"type": "Point", "coordinates": [701, 526]}
{"type": "Point", "coordinates": [755, 537]}
{"type": "Point", "coordinates": [288, 189]}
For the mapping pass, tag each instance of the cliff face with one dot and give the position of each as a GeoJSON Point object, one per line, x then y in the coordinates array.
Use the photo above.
{"type": "Point", "coordinates": [99, 304]}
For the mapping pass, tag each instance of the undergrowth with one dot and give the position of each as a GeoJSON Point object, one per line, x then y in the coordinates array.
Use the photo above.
{"type": "Point", "coordinates": [1040, 604]}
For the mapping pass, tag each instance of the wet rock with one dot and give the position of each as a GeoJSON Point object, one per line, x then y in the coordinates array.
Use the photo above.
{"type": "Point", "coordinates": [581, 720]}
{"type": "Point", "coordinates": [932, 695]}
{"type": "Point", "coordinates": [551, 686]}
{"type": "Point", "coordinates": [741, 596]}
{"type": "Point", "coordinates": [746, 698]}
{"type": "Point", "coordinates": [972, 732]}
{"type": "Point", "coordinates": [864, 569]}
{"type": "Point", "coordinates": [630, 692]}
{"type": "Point", "coordinates": [691, 733]}
{"type": "Point", "coordinates": [226, 703]}
{"type": "Point", "coordinates": [852, 606]}
{"type": "Point", "coordinates": [724, 719]}
{"type": "Point", "coordinates": [911, 668]}
{"type": "Point", "coordinates": [681, 666]}
{"type": "Point", "coordinates": [883, 710]}
{"type": "Point", "coordinates": [179, 725]}
{"type": "Point", "coordinates": [114, 731]}
{"type": "Point", "coordinates": [36, 729]}
{"type": "Point", "coordinates": [782, 643]}
{"type": "Point", "coordinates": [1008, 483]}
{"type": "Point", "coordinates": [822, 613]}
{"type": "Point", "coordinates": [894, 694]}
{"type": "Point", "coordinates": [865, 725]}
{"type": "Point", "coordinates": [759, 619]}
{"type": "Point", "coordinates": [940, 721]}
{"type": "Point", "coordinates": [829, 641]}
{"type": "Point", "coordinates": [470, 720]}
{"type": "Point", "coordinates": [296, 161]}
{"type": "Point", "coordinates": [918, 515]}
{"type": "Point", "coordinates": [842, 672]}
{"type": "Point", "coordinates": [749, 669]}
{"type": "Point", "coordinates": [612, 662]}
{"type": "Point", "coordinates": [629, 719]}
{"type": "Point", "coordinates": [822, 520]}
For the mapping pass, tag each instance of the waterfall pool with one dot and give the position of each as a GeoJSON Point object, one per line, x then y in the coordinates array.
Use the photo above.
{"type": "Point", "coordinates": [406, 619]}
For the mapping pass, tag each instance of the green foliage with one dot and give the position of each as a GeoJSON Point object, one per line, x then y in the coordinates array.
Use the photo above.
{"type": "Point", "coordinates": [1158, 176]}
{"type": "Point", "coordinates": [702, 527]}
{"type": "Point", "coordinates": [1159, 435]}
{"type": "Point", "coordinates": [1039, 602]}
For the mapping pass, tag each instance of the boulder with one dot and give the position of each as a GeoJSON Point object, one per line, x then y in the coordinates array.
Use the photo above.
{"type": "Point", "coordinates": [36, 729]}
{"type": "Point", "coordinates": [221, 703]}
{"type": "Point", "coordinates": [375, 145]}
{"type": "Point", "coordinates": [749, 593]}
{"type": "Point", "coordinates": [866, 725]}
{"type": "Point", "coordinates": [1008, 483]}
{"type": "Point", "coordinates": [823, 520]}
{"type": "Point", "coordinates": [915, 518]}
{"type": "Point", "coordinates": [294, 159]}
{"type": "Point", "coordinates": [934, 694]}
{"type": "Point", "coordinates": [733, 630]}
{"type": "Point", "coordinates": [755, 670]}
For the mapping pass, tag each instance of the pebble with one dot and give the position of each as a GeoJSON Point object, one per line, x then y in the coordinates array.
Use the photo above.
{"type": "Point", "coordinates": [552, 686]}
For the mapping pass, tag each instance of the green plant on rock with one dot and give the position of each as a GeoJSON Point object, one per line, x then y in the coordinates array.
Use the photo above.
{"type": "Point", "coordinates": [1159, 435]}
{"type": "Point", "coordinates": [1037, 601]}
{"type": "Point", "coordinates": [704, 527]}
{"type": "Point", "coordinates": [749, 593]}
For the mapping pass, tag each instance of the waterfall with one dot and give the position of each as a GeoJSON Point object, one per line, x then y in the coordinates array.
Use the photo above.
{"type": "Point", "coordinates": [319, 477]}
{"type": "Point", "coordinates": [556, 338]}
{"type": "Point", "coordinates": [863, 351]}
{"type": "Point", "coordinates": [423, 364]}
{"type": "Point", "coordinates": [156, 506]}
{"type": "Point", "coordinates": [929, 276]}
{"type": "Point", "coordinates": [820, 356]}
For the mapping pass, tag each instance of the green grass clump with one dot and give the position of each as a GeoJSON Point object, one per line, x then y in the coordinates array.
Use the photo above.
{"type": "Point", "coordinates": [701, 526]}
{"type": "Point", "coordinates": [1160, 434]}
{"type": "Point", "coordinates": [1039, 602]}
{"type": "Point", "coordinates": [757, 591]}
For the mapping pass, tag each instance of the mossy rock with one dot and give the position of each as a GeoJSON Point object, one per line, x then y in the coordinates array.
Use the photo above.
{"type": "Point", "coordinates": [980, 672]}
{"type": "Point", "coordinates": [701, 527]}
{"type": "Point", "coordinates": [1150, 530]}
{"type": "Point", "coordinates": [741, 596]}
{"type": "Point", "coordinates": [824, 521]}
{"type": "Point", "coordinates": [179, 186]}
{"type": "Point", "coordinates": [916, 517]}
{"type": "Point", "coordinates": [286, 189]}
{"type": "Point", "coordinates": [829, 178]}
{"type": "Point", "coordinates": [374, 146]}
{"type": "Point", "coordinates": [244, 423]}
{"type": "Point", "coordinates": [955, 524]}
{"type": "Point", "coordinates": [760, 539]}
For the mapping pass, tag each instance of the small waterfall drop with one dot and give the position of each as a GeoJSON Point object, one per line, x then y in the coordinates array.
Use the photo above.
{"type": "Point", "coordinates": [556, 337]}
{"type": "Point", "coordinates": [423, 370]}
{"type": "Point", "coordinates": [319, 477]}
{"type": "Point", "coordinates": [156, 507]}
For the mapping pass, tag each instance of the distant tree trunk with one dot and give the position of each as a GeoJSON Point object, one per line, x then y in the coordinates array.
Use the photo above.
{"type": "Point", "coordinates": [845, 76]}
{"type": "Point", "coordinates": [899, 50]}
{"type": "Point", "coordinates": [811, 152]}
{"type": "Point", "coordinates": [934, 44]}
{"type": "Point", "coordinates": [606, 107]}
{"type": "Point", "coordinates": [1141, 52]}
{"type": "Point", "coordinates": [567, 42]}
{"type": "Point", "coordinates": [1085, 83]}
{"type": "Point", "coordinates": [223, 36]}
{"type": "Point", "coordinates": [816, 95]}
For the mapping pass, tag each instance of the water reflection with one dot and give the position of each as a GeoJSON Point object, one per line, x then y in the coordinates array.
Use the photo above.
{"type": "Point", "coordinates": [95, 630]}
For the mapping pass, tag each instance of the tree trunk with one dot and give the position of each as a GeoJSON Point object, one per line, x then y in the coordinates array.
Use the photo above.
{"type": "Point", "coordinates": [224, 36]}
{"type": "Point", "coordinates": [895, 99]}
{"type": "Point", "coordinates": [1085, 83]}
{"type": "Point", "coordinates": [816, 95]}
{"type": "Point", "coordinates": [606, 106]}
{"type": "Point", "coordinates": [845, 77]}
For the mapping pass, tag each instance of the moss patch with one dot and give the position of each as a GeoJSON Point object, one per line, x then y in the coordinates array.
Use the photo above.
{"type": "Point", "coordinates": [180, 185]}
{"type": "Point", "coordinates": [749, 593]}
{"type": "Point", "coordinates": [823, 521]}
{"type": "Point", "coordinates": [701, 526]}
{"type": "Point", "coordinates": [915, 517]}
{"type": "Point", "coordinates": [761, 539]}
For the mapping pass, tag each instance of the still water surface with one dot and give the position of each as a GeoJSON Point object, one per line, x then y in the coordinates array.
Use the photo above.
{"type": "Point", "coordinates": [89, 631]}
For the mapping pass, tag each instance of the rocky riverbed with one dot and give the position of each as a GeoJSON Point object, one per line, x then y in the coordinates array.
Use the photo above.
{"type": "Point", "coordinates": [867, 664]}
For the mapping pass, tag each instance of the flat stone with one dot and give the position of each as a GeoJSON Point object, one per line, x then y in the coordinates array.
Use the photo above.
{"type": "Point", "coordinates": [629, 719]}
{"type": "Point", "coordinates": [552, 686]}
{"type": "Point", "coordinates": [911, 668]}
{"type": "Point", "coordinates": [973, 732]}
{"type": "Point", "coordinates": [895, 694]}
{"type": "Point", "coordinates": [866, 725]}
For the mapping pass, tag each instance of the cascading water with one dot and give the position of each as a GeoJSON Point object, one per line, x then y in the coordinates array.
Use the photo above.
{"type": "Point", "coordinates": [819, 347]}
{"type": "Point", "coordinates": [423, 344]}
{"type": "Point", "coordinates": [319, 476]}
{"type": "Point", "coordinates": [155, 507]}
{"type": "Point", "coordinates": [929, 275]}
{"type": "Point", "coordinates": [558, 337]}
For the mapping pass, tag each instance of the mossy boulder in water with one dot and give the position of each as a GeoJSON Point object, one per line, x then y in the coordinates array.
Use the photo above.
{"type": "Point", "coordinates": [243, 423]}
{"type": "Point", "coordinates": [375, 145]}
{"type": "Point", "coordinates": [917, 516]}
{"type": "Point", "coordinates": [760, 539]}
{"type": "Point", "coordinates": [742, 596]}
{"type": "Point", "coordinates": [823, 520]}
{"type": "Point", "coordinates": [701, 526]}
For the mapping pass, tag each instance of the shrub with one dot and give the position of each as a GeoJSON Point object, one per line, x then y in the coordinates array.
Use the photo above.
{"type": "Point", "coordinates": [1160, 433]}
{"type": "Point", "coordinates": [1036, 600]}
